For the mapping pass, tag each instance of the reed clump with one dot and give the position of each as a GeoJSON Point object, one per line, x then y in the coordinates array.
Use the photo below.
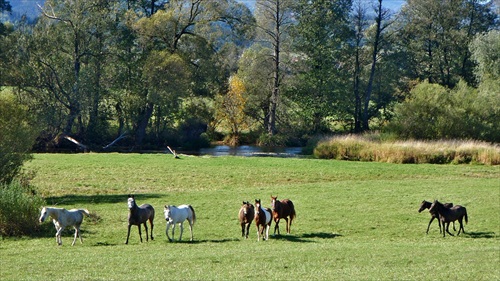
{"type": "Point", "coordinates": [369, 148]}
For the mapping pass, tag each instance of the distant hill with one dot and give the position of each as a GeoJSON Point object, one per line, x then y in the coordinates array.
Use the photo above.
{"type": "Point", "coordinates": [26, 8]}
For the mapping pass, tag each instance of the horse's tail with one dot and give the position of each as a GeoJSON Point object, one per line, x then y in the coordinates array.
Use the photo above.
{"type": "Point", "coordinates": [292, 210]}
{"type": "Point", "coordinates": [85, 211]}
{"type": "Point", "coordinates": [194, 214]}
{"type": "Point", "coordinates": [466, 219]}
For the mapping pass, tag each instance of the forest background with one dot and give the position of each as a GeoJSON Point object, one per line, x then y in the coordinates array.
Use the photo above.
{"type": "Point", "coordinates": [186, 73]}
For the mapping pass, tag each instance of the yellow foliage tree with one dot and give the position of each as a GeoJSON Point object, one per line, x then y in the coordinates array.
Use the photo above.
{"type": "Point", "coordinates": [231, 110]}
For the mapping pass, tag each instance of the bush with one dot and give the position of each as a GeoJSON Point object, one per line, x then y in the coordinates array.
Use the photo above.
{"type": "Point", "coordinates": [19, 210]}
{"type": "Point", "coordinates": [16, 138]}
{"type": "Point", "coordinates": [434, 112]}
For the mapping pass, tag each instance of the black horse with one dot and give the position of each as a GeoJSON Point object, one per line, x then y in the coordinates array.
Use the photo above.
{"type": "Point", "coordinates": [140, 215]}
{"type": "Point", "coordinates": [447, 215]}
{"type": "Point", "coordinates": [426, 205]}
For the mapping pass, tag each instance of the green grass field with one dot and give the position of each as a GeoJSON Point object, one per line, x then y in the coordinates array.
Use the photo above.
{"type": "Point", "coordinates": [355, 220]}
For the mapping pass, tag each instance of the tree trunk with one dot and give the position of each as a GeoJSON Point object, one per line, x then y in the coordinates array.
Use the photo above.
{"type": "Point", "coordinates": [369, 88]}
{"type": "Point", "coordinates": [143, 124]}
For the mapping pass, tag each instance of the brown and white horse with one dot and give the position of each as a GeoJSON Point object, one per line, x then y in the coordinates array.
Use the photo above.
{"type": "Point", "coordinates": [246, 216]}
{"type": "Point", "coordinates": [262, 220]}
{"type": "Point", "coordinates": [283, 209]}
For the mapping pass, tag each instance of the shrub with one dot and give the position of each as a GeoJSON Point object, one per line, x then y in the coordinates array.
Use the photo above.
{"type": "Point", "coordinates": [19, 210]}
{"type": "Point", "coordinates": [365, 148]}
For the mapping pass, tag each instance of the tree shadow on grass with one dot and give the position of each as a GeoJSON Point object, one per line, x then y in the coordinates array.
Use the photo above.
{"type": "Point", "coordinates": [477, 235]}
{"type": "Point", "coordinates": [96, 199]}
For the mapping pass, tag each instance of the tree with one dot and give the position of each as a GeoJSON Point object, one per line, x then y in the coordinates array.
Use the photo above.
{"type": "Point", "coordinates": [192, 30]}
{"type": "Point", "coordinates": [58, 65]}
{"type": "Point", "coordinates": [436, 35]}
{"type": "Point", "coordinates": [16, 139]}
{"type": "Point", "coordinates": [274, 18]}
{"type": "Point", "coordinates": [231, 109]}
{"type": "Point", "coordinates": [381, 16]}
{"type": "Point", "coordinates": [321, 83]}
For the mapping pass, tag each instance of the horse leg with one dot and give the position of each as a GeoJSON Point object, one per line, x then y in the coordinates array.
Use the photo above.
{"type": "Point", "coordinates": [276, 226]}
{"type": "Point", "coordinates": [242, 229]}
{"type": "Point", "coordinates": [429, 225]}
{"type": "Point", "coordinates": [447, 229]}
{"type": "Point", "coordinates": [76, 235]}
{"type": "Point", "coordinates": [258, 233]}
{"type": "Point", "coordinates": [191, 229]}
{"type": "Point", "coordinates": [181, 226]}
{"type": "Point", "coordinates": [128, 233]}
{"type": "Point", "coordinates": [454, 227]}
{"type": "Point", "coordinates": [173, 232]}
{"type": "Point", "coordinates": [58, 236]}
{"type": "Point", "coordinates": [266, 237]}
{"type": "Point", "coordinates": [152, 226]}
{"type": "Point", "coordinates": [287, 226]}
{"type": "Point", "coordinates": [168, 236]}
{"type": "Point", "coordinates": [80, 235]}
{"type": "Point", "coordinates": [461, 226]}
{"type": "Point", "coordinates": [146, 227]}
{"type": "Point", "coordinates": [140, 233]}
{"type": "Point", "coordinates": [248, 229]}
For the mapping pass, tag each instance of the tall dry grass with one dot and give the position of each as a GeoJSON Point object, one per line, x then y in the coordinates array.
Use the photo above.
{"type": "Point", "coordinates": [369, 148]}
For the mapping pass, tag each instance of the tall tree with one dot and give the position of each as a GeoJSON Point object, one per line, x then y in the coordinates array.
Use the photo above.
{"type": "Point", "coordinates": [360, 23]}
{"type": "Point", "coordinates": [382, 15]}
{"type": "Point", "coordinates": [322, 83]}
{"type": "Point", "coordinates": [274, 19]}
{"type": "Point", "coordinates": [192, 30]}
{"type": "Point", "coordinates": [54, 62]}
{"type": "Point", "coordinates": [436, 35]}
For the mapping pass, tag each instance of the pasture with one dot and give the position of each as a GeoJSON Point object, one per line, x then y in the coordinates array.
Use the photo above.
{"type": "Point", "coordinates": [355, 220]}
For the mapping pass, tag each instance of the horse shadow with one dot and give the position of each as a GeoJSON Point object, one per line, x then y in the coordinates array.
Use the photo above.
{"type": "Point", "coordinates": [306, 237]}
{"type": "Point", "coordinates": [95, 199]}
{"type": "Point", "coordinates": [477, 235]}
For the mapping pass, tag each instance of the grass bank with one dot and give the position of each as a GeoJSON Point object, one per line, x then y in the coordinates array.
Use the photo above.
{"type": "Point", "coordinates": [355, 220]}
{"type": "Point", "coordinates": [363, 148]}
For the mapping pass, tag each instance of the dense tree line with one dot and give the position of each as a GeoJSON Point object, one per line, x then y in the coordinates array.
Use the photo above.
{"type": "Point", "coordinates": [187, 72]}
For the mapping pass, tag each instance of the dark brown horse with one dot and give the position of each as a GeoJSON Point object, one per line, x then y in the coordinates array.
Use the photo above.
{"type": "Point", "coordinates": [246, 216]}
{"type": "Point", "coordinates": [426, 205]}
{"type": "Point", "coordinates": [140, 215]}
{"type": "Point", "coordinates": [262, 220]}
{"type": "Point", "coordinates": [447, 215]}
{"type": "Point", "coordinates": [283, 209]}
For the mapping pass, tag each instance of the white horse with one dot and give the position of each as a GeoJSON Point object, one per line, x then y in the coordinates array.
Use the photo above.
{"type": "Point", "coordinates": [178, 215]}
{"type": "Point", "coordinates": [63, 218]}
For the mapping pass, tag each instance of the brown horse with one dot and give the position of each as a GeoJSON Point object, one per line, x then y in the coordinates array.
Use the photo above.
{"type": "Point", "coordinates": [282, 210]}
{"type": "Point", "coordinates": [262, 220]}
{"type": "Point", "coordinates": [447, 215]}
{"type": "Point", "coordinates": [140, 215]}
{"type": "Point", "coordinates": [426, 205]}
{"type": "Point", "coordinates": [246, 216]}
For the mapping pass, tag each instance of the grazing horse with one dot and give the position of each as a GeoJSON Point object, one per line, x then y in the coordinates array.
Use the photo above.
{"type": "Point", "coordinates": [262, 220]}
{"type": "Point", "coordinates": [426, 205]}
{"type": "Point", "coordinates": [246, 216]}
{"type": "Point", "coordinates": [282, 210]}
{"type": "Point", "coordinates": [63, 218]}
{"type": "Point", "coordinates": [447, 215]}
{"type": "Point", "coordinates": [178, 215]}
{"type": "Point", "coordinates": [140, 215]}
